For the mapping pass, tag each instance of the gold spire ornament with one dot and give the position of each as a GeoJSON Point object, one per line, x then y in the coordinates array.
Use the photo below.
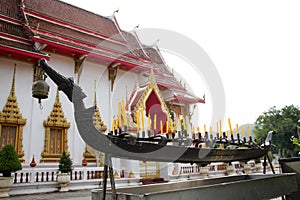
{"type": "Point", "coordinates": [12, 122]}
{"type": "Point", "coordinates": [56, 133]}
{"type": "Point", "coordinates": [91, 154]}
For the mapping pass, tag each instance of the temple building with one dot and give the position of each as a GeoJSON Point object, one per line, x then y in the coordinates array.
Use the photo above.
{"type": "Point", "coordinates": [110, 64]}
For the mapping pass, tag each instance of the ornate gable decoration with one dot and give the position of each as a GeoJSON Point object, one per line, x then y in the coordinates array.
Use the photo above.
{"type": "Point", "coordinates": [152, 86]}
{"type": "Point", "coordinates": [11, 117]}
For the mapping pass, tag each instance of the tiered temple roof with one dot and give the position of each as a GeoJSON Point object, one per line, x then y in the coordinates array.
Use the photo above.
{"type": "Point", "coordinates": [32, 29]}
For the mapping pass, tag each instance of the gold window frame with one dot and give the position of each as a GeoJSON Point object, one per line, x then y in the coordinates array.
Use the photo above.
{"type": "Point", "coordinates": [56, 120]}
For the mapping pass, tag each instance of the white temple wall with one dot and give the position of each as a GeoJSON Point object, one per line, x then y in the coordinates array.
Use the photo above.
{"type": "Point", "coordinates": [34, 131]}
{"type": "Point", "coordinates": [23, 84]}
{"type": "Point", "coordinates": [130, 166]}
{"type": "Point", "coordinates": [107, 101]}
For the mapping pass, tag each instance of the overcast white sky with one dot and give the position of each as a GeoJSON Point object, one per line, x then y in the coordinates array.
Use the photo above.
{"type": "Point", "coordinates": [255, 45]}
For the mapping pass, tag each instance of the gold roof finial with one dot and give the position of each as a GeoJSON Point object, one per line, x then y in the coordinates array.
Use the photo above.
{"type": "Point", "coordinates": [11, 112]}
{"type": "Point", "coordinates": [97, 120]}
{"type": "Point", "coordinates": [57, 97]}
{"type": "Point", "coordinates": [95, 98]}
{"type": "Point", "coordinates": [12, 90]}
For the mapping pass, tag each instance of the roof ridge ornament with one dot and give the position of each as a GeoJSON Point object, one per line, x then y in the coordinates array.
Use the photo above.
{"type": "Point", "coordinates": [139, 41]}
{"type": "Point", "coordinates": [114, 19]}
{"type": "Point", "coordinates": [155, 44]}
{"type": "Point", "coordinates": [116, 11]}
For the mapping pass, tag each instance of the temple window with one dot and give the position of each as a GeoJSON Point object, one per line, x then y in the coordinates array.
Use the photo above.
{"type": "Point", "coordinates": [12, 123]}
{"type": "Point", "coordinates": [8, 135]}
{"type": "Point", "coordinates": [56, 134]}
{"type": "Point", "coordinates": [56, 141]}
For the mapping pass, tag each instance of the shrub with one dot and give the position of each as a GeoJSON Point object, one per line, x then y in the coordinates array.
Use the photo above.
{"type": "Point", "coordinates": [65, 163]}
{"type": "Point", "coordinates": [9, 161]}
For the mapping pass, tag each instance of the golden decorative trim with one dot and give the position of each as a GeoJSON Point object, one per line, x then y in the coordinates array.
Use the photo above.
{"type": "Point", "coordinates": [78, 65]}
{"type": "Point", "coordinates": [56, 117]}
{"type": "Point", "coordinates": [11, 116]}
{"type": "Point", "coordinates": [149, 169]}
{"type": "Point", "coordinates": [112, 73]}
{"type": "Point", "coordinates": [116, 175]}
{"type": "Point", "coordinates": [130, 121]}
{"type": "Point", "coordinates": [97, 120]}
{"type": "Point", "coordinates": [152, 86]}
{"type": "Point", "coordinates": [131, 175]}
{"type": "Point", "coordinates": [56, 121]}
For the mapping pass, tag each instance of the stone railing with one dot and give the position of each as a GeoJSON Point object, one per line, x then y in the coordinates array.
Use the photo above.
{"type": "Point", "coordinates": [39, 180]}
{"type": "Point", "coordinates": [186, 171]}
{"type": "Point", "coordinates": [189, 169]}
{"type": "Point", "coordinates": [38, 175]}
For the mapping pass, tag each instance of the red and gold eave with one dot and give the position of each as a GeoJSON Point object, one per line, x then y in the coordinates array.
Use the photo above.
{"type": "Point", "coordinates": [11, 52]}
{"type": "Point", "coordinates": [13, 46]}
{"type": "Point", "coordinates": [33, 25]}
{"type": "Point", "coordinates": [92, 53]}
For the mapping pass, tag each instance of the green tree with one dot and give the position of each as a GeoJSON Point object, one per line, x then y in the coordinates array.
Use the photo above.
{"type": "Point", "coordinates": [65, 163]}
{"type": "Point", "coordinates": [9, 161]}
{"type": "Point", "coordinates": [284, 123]}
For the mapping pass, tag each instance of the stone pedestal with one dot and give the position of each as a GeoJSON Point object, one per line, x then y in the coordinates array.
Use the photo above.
{"type": "Point", "coordinates": [5, 185]}
{"type": "Point", "coordinates": [63, 180]}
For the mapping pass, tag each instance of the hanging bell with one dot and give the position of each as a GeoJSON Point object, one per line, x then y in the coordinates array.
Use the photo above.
{"type": "Point", "coordinates": [40, 90]}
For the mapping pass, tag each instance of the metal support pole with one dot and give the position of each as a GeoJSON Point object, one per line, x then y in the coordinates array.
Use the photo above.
{"type": "Point", "coordinates": [104, 180]}
{"type": "Point", "coordinates": [265, 164]}
{"type": "Point", "coordinates": [112, 178]}
{"type": "Point", "coordinates": [108, 167]}
{"type": "Point", "coordinates": [271, 164]}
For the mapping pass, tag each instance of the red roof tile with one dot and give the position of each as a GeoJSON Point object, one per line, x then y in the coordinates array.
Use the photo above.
{"type": "Point", "coordinates": [73, 15]}
{"type": "Point", "coordinates": [14, 42]}
{"type": "Point", "coordinates": [74, 29]}
{"type": "Point", "coordinates": [10, 8]}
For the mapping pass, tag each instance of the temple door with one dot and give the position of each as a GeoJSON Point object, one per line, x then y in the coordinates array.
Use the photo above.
{"type": "Point", "coordinates": [153, 106]}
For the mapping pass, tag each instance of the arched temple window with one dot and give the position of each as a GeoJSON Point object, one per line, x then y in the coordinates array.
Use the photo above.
{"type": "Point", "coordinates": [12, 123]}
{"type": "Point", "coordinates": [56, 133]}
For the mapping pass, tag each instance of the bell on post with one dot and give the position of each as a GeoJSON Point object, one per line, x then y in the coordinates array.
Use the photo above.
{"type": "Point", "coordinates": [40, 88]}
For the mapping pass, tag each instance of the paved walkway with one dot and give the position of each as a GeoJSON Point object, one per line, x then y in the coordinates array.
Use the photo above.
{"type": "Point", "coordinates": [71, 195]}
